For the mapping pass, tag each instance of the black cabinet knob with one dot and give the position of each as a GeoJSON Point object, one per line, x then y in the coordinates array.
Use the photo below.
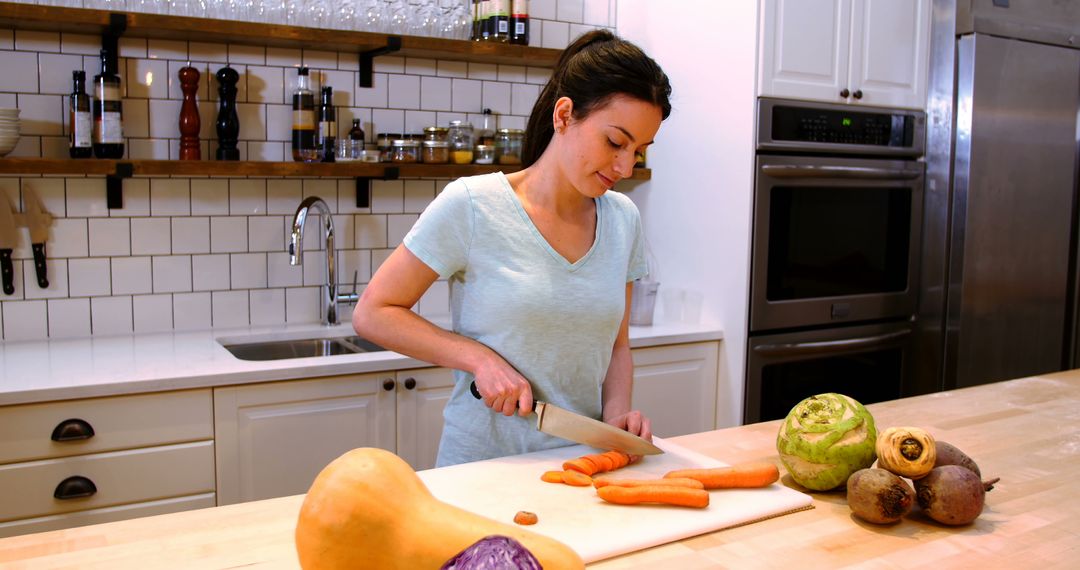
{"type": "Point", "coordinates": [72, 429]}
{"type": "Point", "coordinates": [75, 487]}
{"type": "Point", "coordinates": [410, 383]}
{"type": "Point", "coordinates": [845, 93]}
{"type": "Point", "coordinates": [857, 94]}
{"type": "Point", "coordinates": [388, 385]}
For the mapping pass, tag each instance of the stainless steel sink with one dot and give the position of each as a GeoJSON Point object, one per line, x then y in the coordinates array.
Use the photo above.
{"type": "Point", "coordinates": [300, 348]}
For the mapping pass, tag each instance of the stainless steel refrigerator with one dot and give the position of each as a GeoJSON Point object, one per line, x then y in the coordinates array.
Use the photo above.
{"type": "Point", "coordinates": [998, 282]}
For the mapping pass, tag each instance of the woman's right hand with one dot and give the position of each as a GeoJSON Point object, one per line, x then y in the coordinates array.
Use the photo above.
{"type": "Point", "coordinates": [503, 388]}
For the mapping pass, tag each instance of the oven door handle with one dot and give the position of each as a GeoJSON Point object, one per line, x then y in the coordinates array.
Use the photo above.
{"type": "Point", "coordinates": [828, 346]}
{"type": "Point", "coordinates": [821, 171]}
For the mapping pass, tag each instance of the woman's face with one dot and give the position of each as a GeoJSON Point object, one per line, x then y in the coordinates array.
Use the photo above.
{"type": "Point", "coordinates": [598, 151]}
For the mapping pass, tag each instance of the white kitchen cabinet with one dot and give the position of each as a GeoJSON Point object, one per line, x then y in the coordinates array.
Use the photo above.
{"type": "Point", "coordinates": [78, 462]}
{"type": "Point", "coordinates": [274, 438]}
{"type": "Point", "coordinates": [421, 396]}
{"type": "Point", "coordinates": [870, 52]}
{"type": "Point", "coordinates": [675, 387]}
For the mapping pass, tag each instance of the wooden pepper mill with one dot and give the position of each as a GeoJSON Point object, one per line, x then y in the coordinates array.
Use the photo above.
{"type": "Point", "coordinates": [189, 115]}
{"type": "Point", "coordinates": [228, 124]}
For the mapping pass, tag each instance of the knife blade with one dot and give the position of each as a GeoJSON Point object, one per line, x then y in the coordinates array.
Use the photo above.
{"type": "Point", "coordinates": [39, 221]}
{"type": "Point", "coordinates": [565, 424]}
{"type": "Point", "coordinates": [9, 239]}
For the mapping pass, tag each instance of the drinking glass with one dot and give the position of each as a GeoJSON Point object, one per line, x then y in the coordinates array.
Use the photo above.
{"type": "Point", "coordinates": [190, 8]}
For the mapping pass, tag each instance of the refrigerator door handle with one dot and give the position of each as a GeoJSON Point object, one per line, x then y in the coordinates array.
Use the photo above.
{"type": "Point", "coordinates": [857, 172]}
{"type": "Point", "coordinates": [829, 346]}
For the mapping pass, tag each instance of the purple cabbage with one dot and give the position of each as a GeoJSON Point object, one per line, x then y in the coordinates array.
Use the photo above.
{"type": "Point", "coordinates": [494, 553]}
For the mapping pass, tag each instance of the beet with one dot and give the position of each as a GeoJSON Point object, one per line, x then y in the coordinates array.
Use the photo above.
{"type": "Point", "coordinates": [878, 496]}
{"type": "Point", "coordinates": [948, 454]}
{"type": "Point", "coordinates": [951, 494]}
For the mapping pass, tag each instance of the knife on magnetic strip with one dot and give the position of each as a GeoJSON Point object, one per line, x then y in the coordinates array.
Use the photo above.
{"type": "Point", "coordinates": [558, 422]}
{"type": "Point", "coordinates": [9, 239]}
{"type": "Point", "coordinates": [39, 221]}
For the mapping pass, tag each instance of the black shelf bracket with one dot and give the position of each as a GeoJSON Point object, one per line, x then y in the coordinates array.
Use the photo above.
{"type": "Point", "coordinates": [111, 36]}
{"type": "Point", "coordinates": [367, 60]}
{"type": "Point", "coordinates": [363, 185]}
{"type": "Point", "coordinates": [114, 185]}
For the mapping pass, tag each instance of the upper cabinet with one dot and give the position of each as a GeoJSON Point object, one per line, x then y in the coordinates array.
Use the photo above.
{"type": "Point", "coordinates": [869, 52]}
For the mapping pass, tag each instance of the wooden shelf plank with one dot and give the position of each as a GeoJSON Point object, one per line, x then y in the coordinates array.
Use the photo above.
{"type": "Point", "coordinates": [95, 22]}
{"type": "Point", "coordinates": [199, 168]}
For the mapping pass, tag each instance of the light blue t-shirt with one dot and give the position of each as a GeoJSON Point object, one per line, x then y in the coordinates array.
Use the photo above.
{"type": "Point", "coordinates": [552, 320]}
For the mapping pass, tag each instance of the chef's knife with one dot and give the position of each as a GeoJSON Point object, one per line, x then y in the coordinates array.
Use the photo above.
{"type": "Point", "coordinates": [558, 422]}
{"type": "Point", "coordinates": [9, 238]}
{"type": "Point", "coordinates": [39, 221]}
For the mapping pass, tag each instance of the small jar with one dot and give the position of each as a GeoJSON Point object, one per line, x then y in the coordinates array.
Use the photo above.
{"type": "Point", "coordinates": [436, 134]}
{"type": "Point", "coordinates": [508, 144]}
{"type": "Point", "coordinates": [404, 151]}
{"type": "Point", "coordinates": [485, 154]}
{"type": "Point", "coordinates": [435, 152]}
{"type": "Point", "coordinates": [460, 136]}
{"type": "Point", "coordinates": [384, 141]}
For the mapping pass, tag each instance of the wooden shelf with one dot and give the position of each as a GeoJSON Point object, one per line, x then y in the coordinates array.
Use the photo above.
{"type": "Point", "coordinates": [139, 25]}
{"type": "Point", "coordinates": [199, 168]}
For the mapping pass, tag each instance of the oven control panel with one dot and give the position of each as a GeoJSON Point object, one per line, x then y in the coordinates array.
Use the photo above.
{"type": "Point", "coordinates": [824, 127]}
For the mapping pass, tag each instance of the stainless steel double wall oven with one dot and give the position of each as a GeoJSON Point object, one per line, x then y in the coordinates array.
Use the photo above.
{"type": "Point", "coordinates": [837, 215]}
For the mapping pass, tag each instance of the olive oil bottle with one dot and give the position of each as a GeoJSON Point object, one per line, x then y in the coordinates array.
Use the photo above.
{"type": "Point", "coordinates": [108, 139]}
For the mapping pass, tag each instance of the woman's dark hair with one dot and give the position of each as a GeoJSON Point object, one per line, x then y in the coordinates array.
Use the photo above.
{"type": "Point", "coordinates": [596, 67]}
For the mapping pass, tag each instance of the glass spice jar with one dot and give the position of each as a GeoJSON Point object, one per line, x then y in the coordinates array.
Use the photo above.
{"type": "Point", "coordinates": [384, 141]}
{"type": "Point", "coordinates": [460, 136]}
{"type": "Point", "coordinates": [435, 152]}
{"type": "Point", "coordinates": [436, 133]}
{"type": "Point", "coordinates": [404, 151]}
{"type": "Point", "coordinates": [508, 145]}
{"type": "Point", "coordinates": [485, 154]}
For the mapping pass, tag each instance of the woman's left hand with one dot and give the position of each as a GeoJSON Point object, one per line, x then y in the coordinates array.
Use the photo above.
{"type": "Point", "coordinates": [636, 423]}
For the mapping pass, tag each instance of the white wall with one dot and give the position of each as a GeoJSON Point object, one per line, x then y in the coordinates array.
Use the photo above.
{"type": "Point", "coordinates": [697, 207]}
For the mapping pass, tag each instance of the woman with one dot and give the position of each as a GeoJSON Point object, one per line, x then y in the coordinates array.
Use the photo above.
{"type": "Point", "coordinates": [539, 262]}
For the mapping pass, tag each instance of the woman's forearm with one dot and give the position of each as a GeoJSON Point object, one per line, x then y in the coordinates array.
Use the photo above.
{"type": "Point", "coordinates": [618, 383]}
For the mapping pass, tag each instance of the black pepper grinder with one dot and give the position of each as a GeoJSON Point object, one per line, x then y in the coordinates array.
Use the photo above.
{"type": "Point", "coordinates": [228, 124]}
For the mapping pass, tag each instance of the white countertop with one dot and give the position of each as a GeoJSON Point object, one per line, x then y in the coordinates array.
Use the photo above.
{"type": "Point", "coordinates": [42, 371]}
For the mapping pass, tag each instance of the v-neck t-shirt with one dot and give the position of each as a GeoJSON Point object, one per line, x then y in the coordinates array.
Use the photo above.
{"type": "Point", "coordinates": [552, 320]}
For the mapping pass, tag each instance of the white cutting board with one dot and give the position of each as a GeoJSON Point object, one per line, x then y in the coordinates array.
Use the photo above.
{"type": "Point", "coordinates": [576, 516]}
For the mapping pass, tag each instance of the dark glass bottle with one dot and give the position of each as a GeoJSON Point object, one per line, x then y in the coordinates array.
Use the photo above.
{"type": "Point", "coordinates": [356, 133]}
{"type": "Point", "coordinates": [499, 21]}
{"type": "Point", "coordinates": [80, 119]}
{"type": "Point", "coordinates": [327, 118]}
{"type": "Point", "coordinates": [519, 22]}
{"type": "Point", "coordinates": [108, 139]}
{"type": "Point", "coordinates": [475, 34]}
{"type": "Point", "coordinates": [303, 121]}
{"type": "Point", "coordinates": [485, 31]}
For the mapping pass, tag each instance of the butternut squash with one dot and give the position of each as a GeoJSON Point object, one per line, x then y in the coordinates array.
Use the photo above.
{"type": "Point", "coordinates": [368, 509]}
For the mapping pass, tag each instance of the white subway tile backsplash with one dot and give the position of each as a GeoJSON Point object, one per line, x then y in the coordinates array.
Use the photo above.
{"type": "Point", "coordinates": [137, 119]}
{"type": "Point", "coordinates": [172, 273]}
{"type": "Point", "coordinates": [387, 196]}
{"type": "Point", "coordinates": [136, 198]}
{"type": "Point", "coordinates": [265, 85]}
{"type": "Point", "coordinates": [435, 302]}
{"type": "Point", "coordinates": [89, 277]}
{"type": "Point", "coordinates": [191, 311]}
{"type": "Point", "coordinates": [522, 98]}
{"type": "Point", "coordinates": [27, 40]}
{"type": "Point", "coordinates": [166, 49]}
{"type": "Point", "coordinates": [421, 66]}
{"type": "Point", "coordinates": [28, 146]}
{"type": "Point", "coordinates": [389, 64]}
{"type": "Point", "coordinates": [397, 226]}
{"type": "Point", "coordinates": [497, 97]}
{"type": "Point", "coordinates": [164, 119]}
{"type": "Point", "coordinates": [151, 236]}
{"type": "Point", "coordinates": [54, 147]}
{"type": "Point", "coordinates": [131, 275]}
{"type": "Point", "coordinates": [266, 233]}
{"type": "Point", "coordinates": [54, 72]}
{"type": "Point", "coordinates": [512, 73]}
{"type": "Point", "coordinates": [109, 236]}
{"type": "Point", "coordinates": [210, 272]}
{"type": "Point", "coordinates": [248, 270]}
{"type": "Point", "coordinates": [247, 54]}
{"type": "Point", "coordinates": [404, 91]}
{"type": "Point", "coordinates": [354, 262]}
{"type": "Point", "coordinates": [252, 119]}
{"type": "Point", "coordinates": [578, 30]}
{"type": "Point", "coordinates": [25, 320]}
{"type": "Point", "coordinates": [152, 313]}
{"type": "Point", "coordinates": [302, 305]}
{"type": "Point", "coordinates": [569, 11]}
{"type": "Point", "coordinates": [283, 57]}
{"type": "Point", "coordinates": [209, 197]}
{"type": "Point", "coordinates": [279, 123]}
{"type": "Point", "coordinates": [266, 151]}
{"type": "Point", "coordinates": [148, 149]}
{"type": "Point", "coordinates": [370, 231]}
{"type": "Point", "coordinates": [467, 95]}
{"type": "Point", "coordinates": [314, 267]}
{"type": "Point", "coordinates": [283, 196]}
{"type": "Point", "coordinates": [387, 121]}
{"type": "Point", "coordinates": [542, 9]}
{"type": "Point", "coordinates": [453, 68]}
{"type": "Point", "coordinates": [147, 79]}
{"type": "Point", "coordinates": [132, 47]}
{"type": "Point", "coordinates": [69, 318]}
{"type": "Point", "coordinates": [230, 308]}
{"type": "Point", "coordinates": [436, 94]}
{"type": "Point", "coordinates": [56, 272]}
{"type": "Point", "coordinates": [80, 44]}
{"type": "Point", "coordinates": [86, 197]}
{"type": "Point", "coordinates": [111, 315]}
{"type": "Point", "coordinates": [320, 59]}
{"type": "Point", "coordinates": [418, 194]}
{"type": "Point", "coordinates": [378, 256]}
{"type": "Point", "coordinates": [68, 237]}
{"type": "Point", "coordinates": [228, 234]}
{"type": "Point", "coordinates": [40, 114]}
{"type": "Point", "coordinates": [267, 306]}
{"type": "Point", "coordinates": [208, 52]}
{"type": "Point", "coordinates": [487, 71]}
{"type": "Point", "coordinates": [416, 121]}
{"type": "Point", "coordinates": [170, 197]}
{"type": "Point", "coordinates": [7, 39]}
{"type": "Point", "coordinates": [280, 273]}
{"type": "Point", "coordinates": [556, 34]}
{"type": "Point", "coordinates": [247, 196]}
{"type": "Point", "coordinates": [596, 13]}
{"type": "Point", "coordinates": [343, 84]}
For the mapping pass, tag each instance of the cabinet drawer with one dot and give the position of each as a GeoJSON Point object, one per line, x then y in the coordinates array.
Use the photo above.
{"type": "Point", "coordinates": [128, 476]}
{"type": "Point", "coordinates": [122, 422]}
{"type": "Point", "coordinates": [108, 514]}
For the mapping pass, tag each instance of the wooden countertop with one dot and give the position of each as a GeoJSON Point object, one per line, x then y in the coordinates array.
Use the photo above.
{"type": "Point", "coordinates": [1025, 431]}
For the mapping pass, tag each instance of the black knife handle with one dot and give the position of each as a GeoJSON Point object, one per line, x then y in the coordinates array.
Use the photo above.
{"type": "Point", "coordinates": [7, 272]}
{"type": "Point", "coordinates": [472, 388]}
{"type": "Point", "coordinates": [39, 265]}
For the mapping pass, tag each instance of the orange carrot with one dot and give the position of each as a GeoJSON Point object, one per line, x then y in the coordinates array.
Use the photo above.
{"type": "Point", "coordinates": [679, 496]}
{"type": "Point", "coordinates": [688, 483]}
{"type": "Point", "coordinates": [526, 518]}
{"type": "Point", "coordinates": [605, 462]}
{"type": "Point", "coordinates": [576, 479]}
{"type": "Point", "coordinates": [552, 477]}
{"type": "Point", "coordinates": [621, 459]}
{"type": "Point", "coordinates": [579, 465]}
{"type": "Point", "coordinates": [746, 475]}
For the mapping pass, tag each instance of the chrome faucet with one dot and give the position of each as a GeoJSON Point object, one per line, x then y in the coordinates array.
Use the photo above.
{"type": "Point", "coordinates": [331, 298]}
